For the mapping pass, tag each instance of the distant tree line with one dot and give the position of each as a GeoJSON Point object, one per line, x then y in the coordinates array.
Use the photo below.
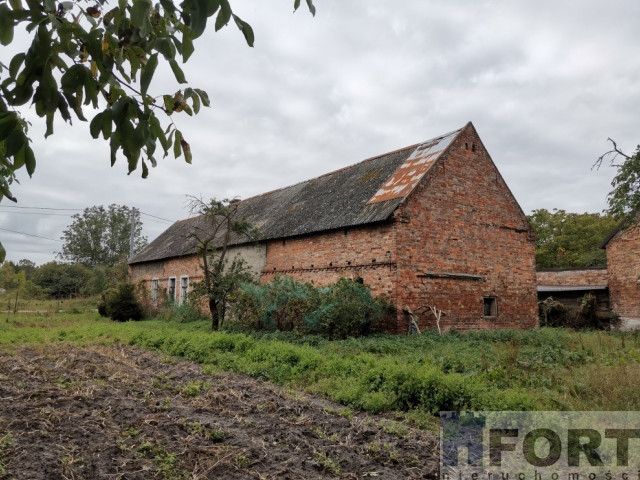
{"type": "Point", "coordinates": [568, 240]}
{"type": "Point", "coordinates": [94, 255]}
{"type": "Point", "coordinates": [59, 280]}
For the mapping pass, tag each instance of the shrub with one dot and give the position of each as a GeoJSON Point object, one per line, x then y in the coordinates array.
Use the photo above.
{"type": "Point", "coordinates": [344, 309]}
{"type": "Point", "coordinates": [121, 304]}
{"type": "Point", "coordinates": [281, 304]}
{"type": "Point", "coordinates": [552, 313]}
{"type": "Point", "coordinates": [186, 313]}
{"type": "Point", "coordinates": [347, 310]}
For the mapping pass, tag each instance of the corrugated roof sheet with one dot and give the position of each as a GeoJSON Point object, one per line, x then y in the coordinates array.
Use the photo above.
{"type": "Point", "coordinates": [352, 196]}
{"type": "Point", "coordinates": [410, 172]}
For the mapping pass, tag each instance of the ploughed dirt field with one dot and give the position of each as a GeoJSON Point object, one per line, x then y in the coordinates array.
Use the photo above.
{"type": "Point", "coordinates": [120, 412]}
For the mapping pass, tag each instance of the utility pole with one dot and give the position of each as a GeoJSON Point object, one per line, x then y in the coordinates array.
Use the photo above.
{"type": "Point", "coordinates": [134, 214]}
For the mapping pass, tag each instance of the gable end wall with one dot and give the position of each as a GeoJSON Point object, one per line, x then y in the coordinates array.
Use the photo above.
{"type": "Point", "coordinates": [623, 268]}
{"type": "Point", "coordinates": [463, 220]}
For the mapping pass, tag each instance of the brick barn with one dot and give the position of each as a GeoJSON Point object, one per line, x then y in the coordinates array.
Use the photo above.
{"type": "Point", "coordinates": [433, 224]}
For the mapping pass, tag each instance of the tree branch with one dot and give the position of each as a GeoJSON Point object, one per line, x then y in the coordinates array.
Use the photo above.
{"type": "Point", "coordinates": [615, 151]}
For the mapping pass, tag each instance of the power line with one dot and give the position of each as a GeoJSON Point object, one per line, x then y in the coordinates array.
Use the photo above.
{"type": "Point", "coordinates": [31, 235]}
{"type": "Point", "coordinates": [153, 216]}
{"type": "Point", "coordinates": [44, 208]}
{"type": "Point", "coordinates": [38, 213]}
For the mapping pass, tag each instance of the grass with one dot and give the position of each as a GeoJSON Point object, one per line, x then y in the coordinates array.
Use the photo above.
{"type": "Point", "coordinates": [545, 369]}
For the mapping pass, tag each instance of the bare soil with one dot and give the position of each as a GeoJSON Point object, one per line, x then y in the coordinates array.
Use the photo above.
{"type": "Point", "coordinates": [120, 412]}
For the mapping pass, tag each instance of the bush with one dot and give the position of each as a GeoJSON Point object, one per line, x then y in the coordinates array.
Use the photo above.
{"type": "Point", "coordinates": [282, 304]}
{"type": "Point", "coordinates": [552, 313]}
{"type": "Point", "coordinates": [121, 304]}
{"type": "Point", "coordinates": [347, 310]}
{"type": "Point", "coordinates": [344, 309]}
{"type": "Point", "coordinates": [186, 313]}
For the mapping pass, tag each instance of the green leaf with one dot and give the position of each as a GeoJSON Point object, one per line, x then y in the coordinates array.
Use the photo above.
{"type": "Point", "coordinates": [4, 189]}
{"type": "Point", "coordinates": [19, 160]}
{"type": "Point", "coordinates": [74, 77]}
{"type": "Point", "coordinates": [3, 253]}
{"type": "Point", "coordinates": [177, 148]}
{"type": "Point", "coordinates": [29, 160]}
{"type": "Point", "coordinates": [8, 123]}
{"type": "Point", "coordinates": [166, 48]}
{"type": "Point", "coordinates": [246, 30]}
{"type": "Point", "coordinates": [6, 24]}
{"type": "Point", "coordinates": [195, 99]}
{"type": "Point", "coordinates": [49, 125]}
{"type": "Point", "coordinates": [312, 7]}
{"type": "Point", "coordinates": [147, 73]}
{"type": "Point", "coordinates": [198, 16]}
{"type": "Point", "coordinates": [21, 95]}
{"type": "Point", "coordinates": [168, 103]}
{"type": "Point", "coordinates": [145, 170]}
{"type": "Point", "coordinates": [187, 46]}
{"type": "Point", "coordinates": [168, 5]}
{"type": "Point", "coordinates": [156, 129]}
{"type": "Point", "coordinates": [106, 124]}
{"type": "Point", "coordinates": [15, 142]}
{"type": "Point", "coordinates": [203, 96]}
{"type": "Point", "coordinates": [95, 127]}
{"type": "Point", "coordinates": [140, 12]}
{"type": "Point", "coordinates": [15, 64]}
{"type": "Point", "coordinates": [177, 71]}
{"type": "Point", "coordinates": [16, 4]}
{"type": "Point", "coordinates": [224, 15]}
{"type": "Point", "coordinates": [296, 5]}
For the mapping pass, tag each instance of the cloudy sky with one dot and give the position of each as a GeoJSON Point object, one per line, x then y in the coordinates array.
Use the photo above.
{"type": "Point", "coordinates": [545, 83]}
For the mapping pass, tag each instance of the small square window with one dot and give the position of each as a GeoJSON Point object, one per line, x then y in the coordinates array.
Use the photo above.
{"type": "Point", "coordinates": [490, 307]}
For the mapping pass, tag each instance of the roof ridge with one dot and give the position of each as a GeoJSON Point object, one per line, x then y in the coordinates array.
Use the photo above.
{"type": "Point", "coordinates": [333, 172]}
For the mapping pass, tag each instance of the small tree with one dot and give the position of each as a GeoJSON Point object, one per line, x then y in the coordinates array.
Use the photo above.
{"type": "Point", "coordinates": [222, 275]}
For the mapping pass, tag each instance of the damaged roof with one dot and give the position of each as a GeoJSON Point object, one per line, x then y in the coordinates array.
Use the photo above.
{"type": "Point", "coordinates": [367, 192]}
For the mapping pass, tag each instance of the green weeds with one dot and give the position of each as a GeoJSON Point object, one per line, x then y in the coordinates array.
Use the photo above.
{"type": "Point", "coordinates": [419, 375]}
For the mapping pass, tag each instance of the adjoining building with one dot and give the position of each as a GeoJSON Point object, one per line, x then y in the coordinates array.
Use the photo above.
{"type": "Point", "coordinates": [623, 267]}
{"type": "Point", "coordinates": [570, 285]}
{"type": "Point", "coordinates": [432, 224]}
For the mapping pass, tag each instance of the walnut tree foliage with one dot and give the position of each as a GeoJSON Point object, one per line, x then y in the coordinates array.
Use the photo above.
{"type": "Point", "coordinates": [101, 56]}
{"type": "Point", "coordinates": [567, 240]}
{"type": "Point", "coordinates": [625, 196]}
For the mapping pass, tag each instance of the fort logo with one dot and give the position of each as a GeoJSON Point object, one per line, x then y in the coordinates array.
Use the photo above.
{"type": "Point", "coordinates": [540, 445]}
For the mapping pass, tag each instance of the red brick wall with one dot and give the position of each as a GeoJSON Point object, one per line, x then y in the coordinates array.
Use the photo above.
{"type": "Point", "coordinates": [163, 270]}
{"type": "Point", "coordinates": [366, 252]}
{"type": "Point", "coordinates": [462, 219]}
{"type": "Point", "coordinates": [623, 265]}
{"type": "Point", "coordinates": [572, 277]}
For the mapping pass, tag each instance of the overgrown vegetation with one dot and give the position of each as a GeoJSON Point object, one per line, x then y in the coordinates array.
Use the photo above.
{"type": "Point", "coordinates": [344, 309]}
{"type": "Point", "coordinates": [417, 375]}
{"type": "Point", "coordinates": [121, 304]}
{"type": "Point", "coordinates": [583, 314]}
{"type": "Point", "coordinates": [222, 274]}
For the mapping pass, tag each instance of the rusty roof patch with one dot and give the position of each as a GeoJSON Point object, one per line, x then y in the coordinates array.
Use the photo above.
{"type": "Point", "coordinates": [405, 178]}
